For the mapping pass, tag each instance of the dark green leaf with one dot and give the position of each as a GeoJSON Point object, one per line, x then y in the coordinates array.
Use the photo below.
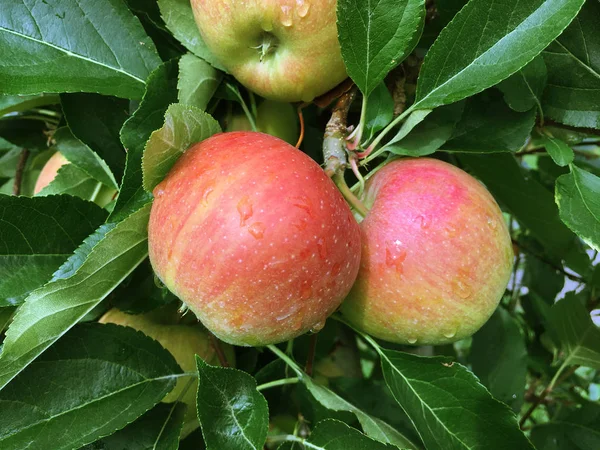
{"type": "Point", "coordinates": [430, 134]}
{"type": "Point", "coordinates": [336, 435]}
{"type": "Point", "coordinates": [579, 337]}
{"type": "Point", "coordinates": [573, 92]}
{"type": "Point", "coordinates": [232, 413]}
{"type": "Point", "coordinates": [559, 151]}
{"type": "Point", "coordinates": [179, 18]}
{"type": "Point", "coordinates": [56, 307]}
{"type": "Point", "coordinates": [524, 197]}
{"type": "Point", "coordinates": [486, 42]}
{"type": "Point", "coordinates": [83, 157]}
{"type": "Point", "coordinates": [96, 120]}
{"type": "Point", "coordinates": [37, 235]}
{"type": "Point", "coordinates": [184, 126]}
{"type": "Point", "coordinates": [15, 103]}
{"type": "Point", "coordinates": [448, 405]}
{"type": "Point", "coordinates": [158, 429]}
{"type": "Point", "coordinates": [161, 91]}
{"type": "Point", "coordinates": [523, 90]}
{"type": "Point", "coordinates": [578, 199]}
{"type": "Point", "coordinates": [489, 125]}
{"type": "Point", "coordinates": [499, 358]}
{"type": "Point", "coordinates": [73, 46]}
{"type": "Point", "coordinates": [377, 36]}
{"type": "Point", "coordinates": [95, 380]}
{"type": "Point", "coordinates": [380, 110]}
{"type": "Point", "coordinates": [198, 81]}
{"type": "Point", "coordinates": [6, 314]}
{"type": "Point", "coordinates": [71, 180]}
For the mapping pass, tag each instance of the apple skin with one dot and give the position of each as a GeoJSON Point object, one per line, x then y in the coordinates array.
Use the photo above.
{"type": "Point", "coordinates": [183, 342]}
{"type": "Point", "coordinates": [253, 236]}
{"type": "Point", "coordinates": [436, 255]}
{"type": "Point", "coordinates": [104, 196]}
{"type": "Point", "coordinates": [275, 118]}
{"type": "Point", "coordinates": [303, 59]}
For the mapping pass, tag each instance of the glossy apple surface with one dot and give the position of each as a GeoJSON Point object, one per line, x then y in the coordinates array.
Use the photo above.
{"type": "Point", "coordinates": [253, 236]}
{"type": "Point", "coordinates": [436, 255]}
{"type": "Point", "coordinates": [284, 50]}
{"type": "Point", "coordinates": [183, 342]}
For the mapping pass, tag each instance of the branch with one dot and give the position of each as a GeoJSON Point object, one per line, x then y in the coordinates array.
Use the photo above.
{"type": "Point", "coordinates": [19, 172]}
{"type": "Point", "coordinates": [336, 131]}
{"type": "Point", "coordinates": [219, 351]}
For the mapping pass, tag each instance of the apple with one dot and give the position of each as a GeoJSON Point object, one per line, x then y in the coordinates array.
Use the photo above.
{"type": "Point", "coordinates": [183, 342]}
{"type": "Point", "coordinates": [103, 197]}
{"type": "Point", "coordinates": [436, 255]}
{"type": "Point", "coordinates": [275, 118]}
{"type": "Point", "coordinates": [284, 50]}
{"type": "Point", "coordinates": [253, 236]}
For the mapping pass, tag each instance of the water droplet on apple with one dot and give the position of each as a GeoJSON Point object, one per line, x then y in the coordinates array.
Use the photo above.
{"type": "Point", "coordinates": [336, 269]}
{"type": "Point", "coordinates": [244, 208]}
{"type": "Point", "coordinates": [317, 327]}
{"type": "Point", "coordinates": [306, 292]}
{"type": "Point", "coordinates": [257, 230]}
{"type": "Point", "coordinates": [492, 223]}
{"type": "Point", "coordinates": [450, 334]}
{"type": "Point", "coordinates": [394, 257]}
{"type": "Point", "coordinates": [286, 15]}
{"type": "Point", "coordinates": [412, 340]}
{"type": "Point", "coordinates": [463, 290]}
{"type": "Point", "coordinates": [206, 194]}
{"type": "Point", "coordinates": [422, 221]}
{"type": "Point", "coordinates": [302, 7]}
{"type": "Point", "coordinates": [322, 248]}
{"type": "Point", "coordinates": [159, 193]}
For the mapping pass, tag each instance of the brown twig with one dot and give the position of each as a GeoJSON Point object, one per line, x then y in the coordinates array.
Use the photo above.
{"type": "Point", "coordinates": [312, 347]}
{"type": "Point", "coordinates": [19, 172]}
{"type": "Point", "coordinates": [219, 351]}
{"type": "Point", "coordinates": [301, 119]}
{"type": "Point", "coordinates": [544, 394]}
{"type": "Point", "coordinates": [550, 263]}
{"type": "Point", "coordinates": [571, 128]}
{"type": "Point", "coordinates": [336, 131]}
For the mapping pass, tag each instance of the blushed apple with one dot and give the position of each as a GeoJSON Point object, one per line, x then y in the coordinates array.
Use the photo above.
{"type": "Point", "coordinates": [253, 236]}
{"type": "Point", "coordinates": [183, 342]}
{"type": "Point", "coordinates": [436, 255]}
{"type": "Point", "coordinates": [284, 50]}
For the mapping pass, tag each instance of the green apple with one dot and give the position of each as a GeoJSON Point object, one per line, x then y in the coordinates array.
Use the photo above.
{"type": "Point", "coordinates": [183, 342]}
{"type": "Point", "coordinates": [284, 50]}
{"type": "Point", "coordinates": [275, 118]}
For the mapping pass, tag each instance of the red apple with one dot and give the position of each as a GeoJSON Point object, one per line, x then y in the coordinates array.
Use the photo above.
{"type": "Point", "coordinates": [284, 50]}
{"type": "Point", "coordinates": [436, 255]}
{"type": "Point", "coordinates": [183, 342]}
{"type": "Point", "coordinates": [253, 236]}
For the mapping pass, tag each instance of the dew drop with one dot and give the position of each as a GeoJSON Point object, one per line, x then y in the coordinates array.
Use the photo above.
{"type": "Point", "coordinates": [412, 340]}
{"type": "Point", "coordinates": [394, 257]}
{"type": "Point", "coordinates": [450, 334]}
{"type": "Point", "coordinates": [463, 290]}
{"type": "Point", "coordinates": [257, 230]}
{"type": "Point", "coordinates": [303, 6]}
{"type": "Point", "coordinates": [322, 248]}
{"type": "Point", "coordinates": [286, 15]}
{"type": "Point", "coordinates": [317, 327]}
{"type": "Point", "coordinates": [206, 194]}
{"type": "Point", "coordinates": [159, 193]}
{"type": "Point", "coordinates": [244, 207]}
{"type": "Point", "coordinates": [306, 292]}
{"type": "Point", "coordinates": [422, 221]}
{"type": "Point", "coordinates": [336, 269]}
{"type": "Point", "coordinates": [492, 223]}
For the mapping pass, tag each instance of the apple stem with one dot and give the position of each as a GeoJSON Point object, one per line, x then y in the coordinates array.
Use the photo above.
{"type": "Point", "coordinates": [335, 154]}
{"type": "Point", "coordinates": [219, 351]}
{"type": "Point", "coordinates": [276, 383]}
{"type": "Point", "coordinates": [311, 354]}
{"type": "Point", "coordinates": [301, 119]}
{"type": "Point", "coordinates": [352, 199]}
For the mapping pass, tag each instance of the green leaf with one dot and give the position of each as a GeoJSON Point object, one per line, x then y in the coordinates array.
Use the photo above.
{"type": "Point", "coordinates": [83, 157]}
{"type": "Point", "coordinates": [184, 126]}
{"type": "Point", "coordinates": [56, 307]}
{"type": "Point", "coordinates": [96, 120]}
{"type": "Point", "coordinates": [485, 43]}
{"type": "Point", "coordinates": [17, 103]}
{"type": "Point", "coordinates": [414, 119]}
{"type": "Point", "coordinates": [233, 414]}
{"type": "Point", "coordinates": [579, 430]}
{"type": "Point", "coordinates": [579, 337]}
{"type": "Point", "coordinates": [160, 93]}
{"type": "Point", "coordinates": [335, 435]}
{"type": "Point", "coordinates": [430, 134]}
{"type": "Point", "coordinates": [158, 429]}
{"type": "Point", "coordinates": [523, 90]}
{"type": "Point", "coordinates": [488, 125]}
{"type": "Point", "coordinates": [380, 110]}
{"type": "Point", "coordinates": [179, 18]}
{"type": "Point", "coordinates": [198, 81]}
{"type": "Point", "coordinates": [578, 199]}
{"type": "Point", "coordinates": [96, 379]}
{"type": "Point", "coordinates": [559, 151]}
{"type": "Point", "coordinates": [573, 92]}
{"type": "Point", "coordinates": [448, 405]}
{"type": "Point", "coordinates": [377, 36]}
{"type": "Point", "coordinates": [6, 314]}
{"type": "Point", "coordinates": [71, 180]}
{"type": "Point", "coordinates": [524, 197]}
{"type": "Point", "coordinates": [36, 236]}
{"type": "Point", "coordinates": [73, 46]}
{"type": "Point", "coordinates": [499, 358]}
